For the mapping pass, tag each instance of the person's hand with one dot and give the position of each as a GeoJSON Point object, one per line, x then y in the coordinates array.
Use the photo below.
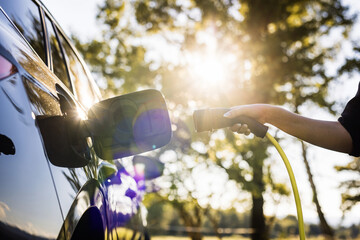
{"type": "Point", "coordinates": [255, 111]}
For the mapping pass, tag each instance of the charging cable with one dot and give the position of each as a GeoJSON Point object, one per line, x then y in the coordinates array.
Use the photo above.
{"type": "Point", "coordinates": [293, 185]}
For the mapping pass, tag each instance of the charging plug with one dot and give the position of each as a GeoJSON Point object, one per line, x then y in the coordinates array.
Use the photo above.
{"type": "Point", "coordinates": [213, 118]}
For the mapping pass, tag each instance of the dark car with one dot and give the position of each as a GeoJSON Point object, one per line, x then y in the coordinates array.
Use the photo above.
{"type": "Point", "coordinates": [66, 167]}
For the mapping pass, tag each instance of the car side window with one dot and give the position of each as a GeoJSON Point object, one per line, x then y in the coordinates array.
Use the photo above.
{"type": "Point", "coordinates": [58, 61]}
{"type": "Point", "coordinates": [26, 16]}
{"type": "Point", "coordinates": [82, 84]}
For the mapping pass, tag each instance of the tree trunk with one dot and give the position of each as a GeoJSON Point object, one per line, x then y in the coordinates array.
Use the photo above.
{"type": "Point", "coordinates": [325, 228]}
{"type": "Point", "coordinates": [195, 235]}
{"type": "Point", "coordinates": [257, 212]}
{"type": "Point", "coordinates": [258, 219]}
{"type": "Point", "coordinates": [214, 223]}
{"type": "Point", "coordinates": [193, 222]}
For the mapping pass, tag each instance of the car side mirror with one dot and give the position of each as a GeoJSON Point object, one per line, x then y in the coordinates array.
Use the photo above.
{"type": "Point", "coordinates": [129, 124]}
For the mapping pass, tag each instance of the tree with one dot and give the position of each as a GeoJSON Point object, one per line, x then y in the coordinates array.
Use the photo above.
{"type": "Point", "coordinates": [325, 227]}
{"type": "Point", "coordinates": [351, 193]}
{"type": "Point", "coordinates": [263, 51]}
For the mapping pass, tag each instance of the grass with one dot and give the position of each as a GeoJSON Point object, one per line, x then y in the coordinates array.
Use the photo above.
{"type": "Point", "coordinates": [205, 238]}
{"type": "Point", "coordinates": [227, 238]}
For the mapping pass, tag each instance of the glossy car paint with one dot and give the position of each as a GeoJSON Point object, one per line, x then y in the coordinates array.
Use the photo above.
{"type": "Point", "coordinates": [39, 200]}
{"type": "Point", "coordinates": [27, 170]}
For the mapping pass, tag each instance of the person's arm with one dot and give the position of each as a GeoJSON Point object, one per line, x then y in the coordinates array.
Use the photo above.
{"type": "Point", "coordinates": [327, 134]}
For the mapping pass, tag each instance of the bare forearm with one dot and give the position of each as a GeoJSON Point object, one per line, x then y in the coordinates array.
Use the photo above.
{"type": "Point", "coordinates": [328, 134]}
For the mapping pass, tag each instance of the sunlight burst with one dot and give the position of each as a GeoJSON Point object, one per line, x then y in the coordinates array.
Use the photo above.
{"type": "Point", "coordinates": [207, 70]}
{"type": "Point", "coordinates": [208, 65]}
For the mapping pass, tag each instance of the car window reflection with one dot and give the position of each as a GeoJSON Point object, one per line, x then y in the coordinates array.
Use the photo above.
{"type": "Point", "coordinates": [26, 17]}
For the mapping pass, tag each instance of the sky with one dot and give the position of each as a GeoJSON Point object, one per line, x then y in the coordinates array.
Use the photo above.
{"type": "Point", "coordinates": [79, 19]}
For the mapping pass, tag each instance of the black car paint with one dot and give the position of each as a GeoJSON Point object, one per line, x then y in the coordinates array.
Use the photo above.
{"type": "Point", "coordinates": [39, 200]}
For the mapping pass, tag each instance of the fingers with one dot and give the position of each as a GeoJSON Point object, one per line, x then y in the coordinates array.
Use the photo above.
{"type": "Point", "coordinates": [241, 129]}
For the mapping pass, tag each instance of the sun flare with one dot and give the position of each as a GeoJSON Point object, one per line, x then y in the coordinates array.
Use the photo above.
{"type": "Point", "coordinates": [209, 71]}
{"type": "Point", "coordinates": [209, 65]}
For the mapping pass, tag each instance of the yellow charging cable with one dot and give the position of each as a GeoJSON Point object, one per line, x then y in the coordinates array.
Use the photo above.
{"type": "Point", "coordinates": [293, 185]}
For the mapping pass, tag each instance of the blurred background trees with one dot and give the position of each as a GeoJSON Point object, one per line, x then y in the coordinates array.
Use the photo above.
{"type": "Point", "coordinates": [221, 53]}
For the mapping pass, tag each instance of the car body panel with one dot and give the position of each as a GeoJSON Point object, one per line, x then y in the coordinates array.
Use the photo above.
{"type": "Point", "coordinates": [39, 200]}
{"type": "Point", "coordinates": [27, 170]}
{"type": "Point", "coordinates": [89, 195]}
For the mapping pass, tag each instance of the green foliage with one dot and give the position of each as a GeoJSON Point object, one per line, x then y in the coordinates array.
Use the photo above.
{"type": "Point", "coordinates": [352, 64]}
{"type": "Point", "coordinates": [286, 227]}
{"type": "Point", "coordinates": [161, 214]}
{"type": "Point", "coordinates": [256, 51]}
{"type": "Point", "coordinates": [155, 15]}
{"type": "Point", "coordinates": [351, 188]}
{"type": "Point", "coordinates": [351, 232]}
{"type": "Point", "coordinates": [232, 219]}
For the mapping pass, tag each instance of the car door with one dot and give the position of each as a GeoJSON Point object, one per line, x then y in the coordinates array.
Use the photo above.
{"type": "Point", "coordinates": [29, 208]}
{"type": "Point", "coordinates": [40, 89]}
{"type": "Point", "coordinates": [50, 184]}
